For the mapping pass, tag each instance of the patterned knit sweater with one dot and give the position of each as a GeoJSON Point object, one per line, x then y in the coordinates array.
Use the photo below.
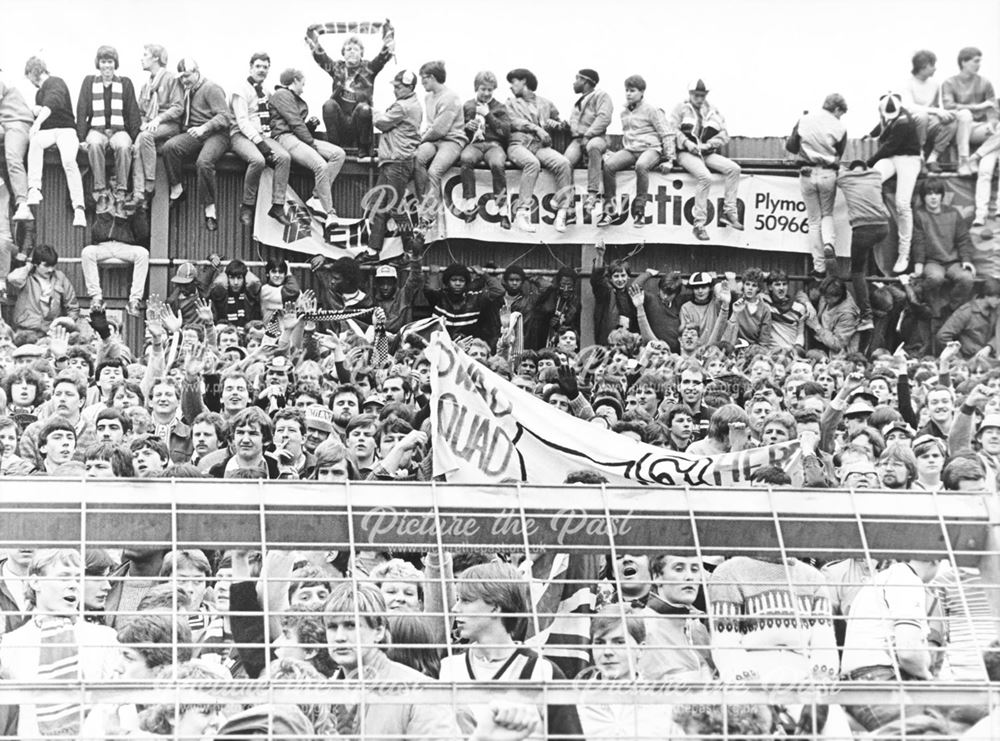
{"type": "Point", "coordinates": [771, 621]}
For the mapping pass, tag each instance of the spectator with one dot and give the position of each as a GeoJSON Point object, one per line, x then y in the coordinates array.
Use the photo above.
{"type": "Point", "coordinates": [237, 299]}
{"type": "Point", "coordinates": [464, 310]}
{"type": "Point", "coordinates": [898, 155]}
{"type": "Point", "coordinates": [441, 143]}
{"type": "Point", "coordinates": [161, 102]}
{"type": "Point", "coordinates": [54, 125]}
{"type": "Point", "coordinates": [588, 124]}
{"type": "Point", "coordinates": [117, 236]}
{"type": "Point", "coordinates": [819, 140]}
{"type": "Point", "coordinates": [250, 139]}
{"type": "Point", "coordinates": [487, 125]}
{"type": "Point", "coordinates": [971, 97]}
{"type": "Point", "coordinates": [16, 118]}
{"type": "Point", "coordinates": [532, 121]}
{"type": "Point", "coordinates": [108, 460]}
{"type": "Point", "coordinates": [108, 117]}
{"type": "Point", "coordinates": [862, 189]}
{"type": "Point", "coordinates": [973, 323]}
{"type": "Point", "coordinates": [922, 97]}
{"type": "Point", "coordinates": [203, 137]}
{"type": "Point", "coordinates": [291, 129]}
{"type": "Point", "coordinates": [253, 431]}
{"type": "Point", "coordinates": [836, 321]}
{"type": "Point", "coordinates": [347, 115]}
{"type": "Point", "coordinates": [701, 134]}
{"type": "Point", "coordinates": [42, 293]}
{"type": "Point", "coordinates": [942, 248]}
{"type": "Point", "coordinates": [150, 455]}
{"type": "Point", "coordinates": [788, 314]}
{"type": "Point", "coordinates": [647, 142]}
{"type": "Point", "coordinates": [399, 125]}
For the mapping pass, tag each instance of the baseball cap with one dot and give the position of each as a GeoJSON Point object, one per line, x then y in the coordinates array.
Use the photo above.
{"type": "Point", "coordinates": [699, 279]}
{"type": "Point", "coordinates": [697, 86]}
{"type": "Point", "coordinates": [280, 363]}
{"type": "Point", "coordinates": [386, 271]}
{"type": "Point", "coordinates": [319, 416]}
{"type": "Point", "coordinates": [922, 443]}
{"type": "Point", "coordinates": [858, 406]}
{"type": "Point", "coordinates": [863, 394]}
{"type": "Point", "coordinates": [898, 426]}
{"type": "Point", "coordinates": [186, 273]}
{"type": "Point", "coordinates": [406, 77]}
{"type": "Point", "coordinates": [377, 399]}
{"type": "Point", "coordinates": [989, 420]}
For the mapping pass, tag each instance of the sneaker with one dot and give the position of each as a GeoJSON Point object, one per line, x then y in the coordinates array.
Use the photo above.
{"type": "Point", "coordinates": [701, 233]}
{"type": "Point", "coordinates": [315, 206]}
{"type": "Point", "coordinates": [97, 304]}
{"type": "Point", "coordinates": [866, 325]}
{"type": "Point", "coordinates": [828, 252]}
{"type": "Point", "coordinates": [933, 167]}
{"type": "Point", "coordinates": [34, 196]}
{"type": "Point", "coordinates": [730, 219]}
{"type": "Point", "coordinates": [103, 202]}
{"type": "Point", "coordinates": [23, 213]}
{"type": "Point", "coordinates": [596, 211]}
{"type": "Point", "coordinates": [979, 220]}
{"type": "Point", "coordinates": [964, 168]}
{"type": "Point", "coordinates": [504, 221]}
{"type": "Point", "coordinates": [133, 307]}
{"type": "Point", "coordinates": [974, 164]}
{"type": "Point", "coordinates": [79, 218]}
{"type": "Point", "coordinates": [639, 220]}
{"type": "Point", "coordinates": [603, 220]}
{"type": "Point", "coordinates": [523, 222]}
{"type": "Point", "coordinates": [560, 222]}
{"type": "Point", "coordinates": [902, 263]}
{"type": "Point", "coordinates": [246, 215]}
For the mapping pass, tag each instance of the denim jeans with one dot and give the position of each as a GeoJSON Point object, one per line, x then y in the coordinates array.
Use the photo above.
{"type": "Point", "coordinates": [906, 168]}
{"type": "Point", "coordinates": [970, 132]}
{"type": "Point", "coordinates": [935, 132]}
{"type": "Point", "coordinates": [594, 149]}
{"type": "Point", "coordinates": [984, 186]}
{"type": "Point", "coordinates": [325, 160]}
{"type": "Point", "coordinates": [97, 253]}
{"type": "Point", "coordinates": [863, 238]}
{"type": "Point", "coordinates": [144, 156]}
{"type": "Point", "coordinates": [389, 197]}
{"type": "Point", "coordinates": [68, 144]}
{"type": "Point", "coordinates": [622, 160]}
{"type": "Point", "coordinates": [960, 280]}
{"type": "Point", "coordinates": [348, 124]}
{"type": "Point", "coordinates": [433, 160]}
{"type": "Point", "coordinates": [876, 716]}
{"type": "Point", "coordinates": [819, 191]}
{"type": "Point", "coordinates": [247, 151]}
{"type": "Point", "coordinates": [120, 143]}
{"type": "Point", "coordinates": [15, 142]}
{"type": "Point", "coordinates": [205, 153]}
{"type": "Point", "coordinates": [702, 168]}
{"type": "Point", "coordinates": [495, 158]}
{"type": "Point", "coordinates": [531, 164]}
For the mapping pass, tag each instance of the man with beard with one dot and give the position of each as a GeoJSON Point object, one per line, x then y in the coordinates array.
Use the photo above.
{"type": "Point", "coordinates": [897, 467]}
{"type": "Point", "coordinates": [209, 435]}
{"type": "Point", "coordinates": [345, 402]}
{"type": "Point", "coordinates": [788, 315]}
{"type": "Point", "coordinates": [395, 300]}
{"type": "Point", "coordinates": [674, 624]}
{"type": "Point", "coordinates": [465, 312]}
{"type": "Point", "coordinates": [557, 306]}
{"type": "Point", "coordinates": [252, 433]}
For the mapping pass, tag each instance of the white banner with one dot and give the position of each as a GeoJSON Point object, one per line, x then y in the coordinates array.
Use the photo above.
{"type": "Point", "coordinates": [305, 233]}
{"type": "Point", "coordinates": [771, 207]}
{"type": "Point", "coordinates": [486, 430]}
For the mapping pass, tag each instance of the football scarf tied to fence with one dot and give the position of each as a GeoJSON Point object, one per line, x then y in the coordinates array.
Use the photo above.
{"type": "Point", "coordinates": [486, 430]}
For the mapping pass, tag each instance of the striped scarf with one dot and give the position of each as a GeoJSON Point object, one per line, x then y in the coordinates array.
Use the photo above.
{"type": "Point", "coordinates": [263, 112]}
{"type": "Point", "coordinates": [114, 118]}
{"type": "Point", "coordinates": [58, 659]}
{"type": "Point", "coordinates": [149, 96]}
{"type": "Point", "coordinates": [334, 315]}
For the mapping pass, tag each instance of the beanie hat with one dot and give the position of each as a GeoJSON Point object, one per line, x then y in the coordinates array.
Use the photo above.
{"type": "Point", "coordinates": [456, 269]}
{"type": "Point", "coordinates": [589, 75]}
{"type": "Point", "coordinates": [889, 105]}
{"type": "Point", "coordinates": [319, 416]}
{"type": "Point", "coordinates": [524, 74]}
{"type": "Point", "coordinates": [608, 399]}
{"type": "Point", "coordinates": [405, 77]}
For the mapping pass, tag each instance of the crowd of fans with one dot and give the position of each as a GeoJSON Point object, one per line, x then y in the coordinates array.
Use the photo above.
{"type": "Point", "coordinates": [245, 376]}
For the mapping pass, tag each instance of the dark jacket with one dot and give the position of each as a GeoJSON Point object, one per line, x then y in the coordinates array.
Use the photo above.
{"type": "Point", "coordinates": [399, 309]}
{"type": "Point", "coordinates": [132, 229]}
{"type": "Point", "coordinates": [12, 617]}
{"type": "Point", "coordinates": [468, 315]}
{"type": "Point", "coordinates": [497, 121]}
{"type": "Point", "coordinates": [664, 319]}
{"type": "Point", "coordinates": [349, 84]}
{"type": "Point", "coordinates": [247, 301]}
{"type": "Point", "coordinates": [609, 305]}
{"type": "Point", "coordinates": [85, 108]}
{"type": "Point", "coordinates": [552, 311]}
{"type": "Point", "coordinates": [288, 115]}
{"type": "Point", "coordinates": [973, 324]}
{"type": "Point", "coordinates": [898, 137]}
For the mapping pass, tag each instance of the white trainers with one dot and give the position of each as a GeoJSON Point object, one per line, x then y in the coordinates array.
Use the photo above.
{"type": "Point", "coordinates": [34, 196]}
{"type": "Point", "coordinates": [523, 222]}
{"type": "Point", "coordinates": [560, 222]}
{"type": "Point", "coordinates": [902, 263]}
{"type": "Point", "coordinates": [79, 218]}
{"type": "Point", "coordinates": [23, 213]}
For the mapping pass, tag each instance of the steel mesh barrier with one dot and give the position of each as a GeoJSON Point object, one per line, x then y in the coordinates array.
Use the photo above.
{"type": "Point", "coordinates": [769, 644]}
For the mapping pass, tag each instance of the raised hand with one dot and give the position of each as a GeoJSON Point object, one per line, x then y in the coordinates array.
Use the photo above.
{"type": "Point", "coordinates": [290, 317]}
{"type": "Point", "coordinates": [194, 361]}
{"type": "Point", "coordinates": [58, 341]}
{"type": "Point", "coordinates": [171, 321]}
{"type": "Point", "coordinates": [637, 295]}
{"type": "Point", "coordinates": [204, 312]}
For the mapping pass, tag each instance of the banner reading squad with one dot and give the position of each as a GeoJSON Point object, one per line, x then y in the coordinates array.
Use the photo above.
{"type": "Point", "coordinates": [486, 430]}
{"type": "Point", "coordinates": [771, 207]}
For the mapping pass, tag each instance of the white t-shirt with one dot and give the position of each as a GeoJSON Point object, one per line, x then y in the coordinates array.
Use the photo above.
{"type": "Point", "coordinates": [895, 597]}
{"type": "Point", "coordinates": [919, 95]}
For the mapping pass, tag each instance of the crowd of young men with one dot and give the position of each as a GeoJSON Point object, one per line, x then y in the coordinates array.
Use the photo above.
{"type": "Point", "coordinates": [241, 376]}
